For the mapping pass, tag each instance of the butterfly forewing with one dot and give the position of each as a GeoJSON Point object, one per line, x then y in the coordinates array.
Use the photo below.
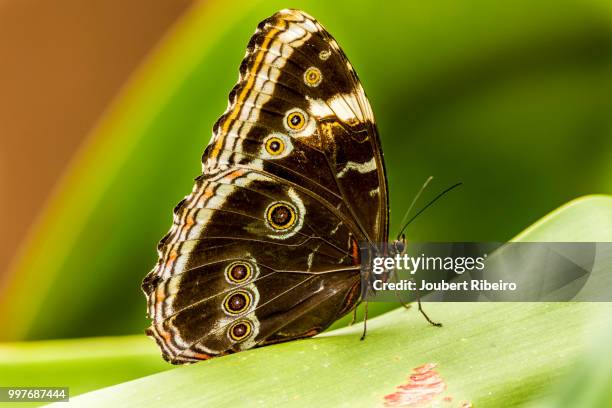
{"type": "Point", "coordinates": [265, 248]}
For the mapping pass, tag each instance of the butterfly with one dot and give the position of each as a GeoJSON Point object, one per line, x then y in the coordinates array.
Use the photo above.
{"type": "Point", "coordinates": [265, 249]}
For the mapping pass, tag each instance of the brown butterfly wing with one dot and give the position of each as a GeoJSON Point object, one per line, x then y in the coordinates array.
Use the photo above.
{"type": "Point", "coordinates": [264, 249]}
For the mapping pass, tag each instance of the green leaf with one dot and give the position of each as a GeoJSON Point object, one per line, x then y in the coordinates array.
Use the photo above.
{"type": "Point", "coordinates": [492, 354]}
{"type": "Point", "coordinates": [83, 364]}
{"type": "Point", "coordinates": [589, 382]}
{"type": "Point", "coordinates": [586, 219]}
{"type": "Point", "coordinates": [461, 91]}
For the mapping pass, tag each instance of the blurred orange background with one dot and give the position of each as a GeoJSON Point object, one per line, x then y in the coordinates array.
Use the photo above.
{"type": "Point", "coordinates": [60, 66]}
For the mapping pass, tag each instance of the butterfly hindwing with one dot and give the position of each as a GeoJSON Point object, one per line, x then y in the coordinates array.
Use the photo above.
{"type": "Point", "coordinates": [264, 249]}
{"type": "Point", "coordinates": [287, 272]}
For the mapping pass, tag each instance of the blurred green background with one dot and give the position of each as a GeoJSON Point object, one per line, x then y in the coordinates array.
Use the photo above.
{"type": "Point", "coordinates": [511, 98]}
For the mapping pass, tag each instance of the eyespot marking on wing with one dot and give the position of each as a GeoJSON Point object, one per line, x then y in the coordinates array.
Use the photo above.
{"type": "Point", "coordinates": [240, 330]}
{"type": "Point", "coordinates": [238, 302]}
{"type": "Point", "coordinates": [299, 123]}
{"type": "Point", "coordinates": [313, 77]}
{"type": "Point", "coordinates": [239, 272]}
{"type": "Point", "coordinates": [285, 218]}
{"type": "Point", "coordinates": [276, 146]}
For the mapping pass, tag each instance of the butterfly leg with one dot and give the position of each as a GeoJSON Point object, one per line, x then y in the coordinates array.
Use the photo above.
{"type": "Point", "coordinates": [354, 318]}
{"type": "Point", "coordinates": [365, 320]}
{"type": "Point", "coordinates": [399, 299]}
{"type": "Point", "coordinates": [425, 314]}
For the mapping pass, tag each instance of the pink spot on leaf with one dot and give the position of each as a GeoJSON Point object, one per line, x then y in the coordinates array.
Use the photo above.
{"type": "Point", "coordinates": [424, 387]}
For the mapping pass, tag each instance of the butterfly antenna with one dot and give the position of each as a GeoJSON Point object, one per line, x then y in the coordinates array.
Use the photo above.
{"type": "Point", "coordinates": [414, 200]}
{"type": "Point", "coordinates": [427, 206]}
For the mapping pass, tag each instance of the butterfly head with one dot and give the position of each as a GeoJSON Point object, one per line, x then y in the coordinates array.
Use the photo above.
{"type": "Point", "coordinates": [399, 245]}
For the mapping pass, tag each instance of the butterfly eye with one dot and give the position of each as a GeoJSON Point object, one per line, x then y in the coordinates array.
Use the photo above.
{"type": "Point", "coordinates": [281, 216]}
{"type": "Point", "coordinates": [239, 272]}
{"type": "Point", "coordinates": [240, 330]}
{"type": "Point", "coordinates": [312, 76]}
{"type": "Point", "coordinates": [296, 120]}
{"type": "Point", "coordinates": [237, 302]}
{"type": "Point", "coordinates": [275, 146]}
